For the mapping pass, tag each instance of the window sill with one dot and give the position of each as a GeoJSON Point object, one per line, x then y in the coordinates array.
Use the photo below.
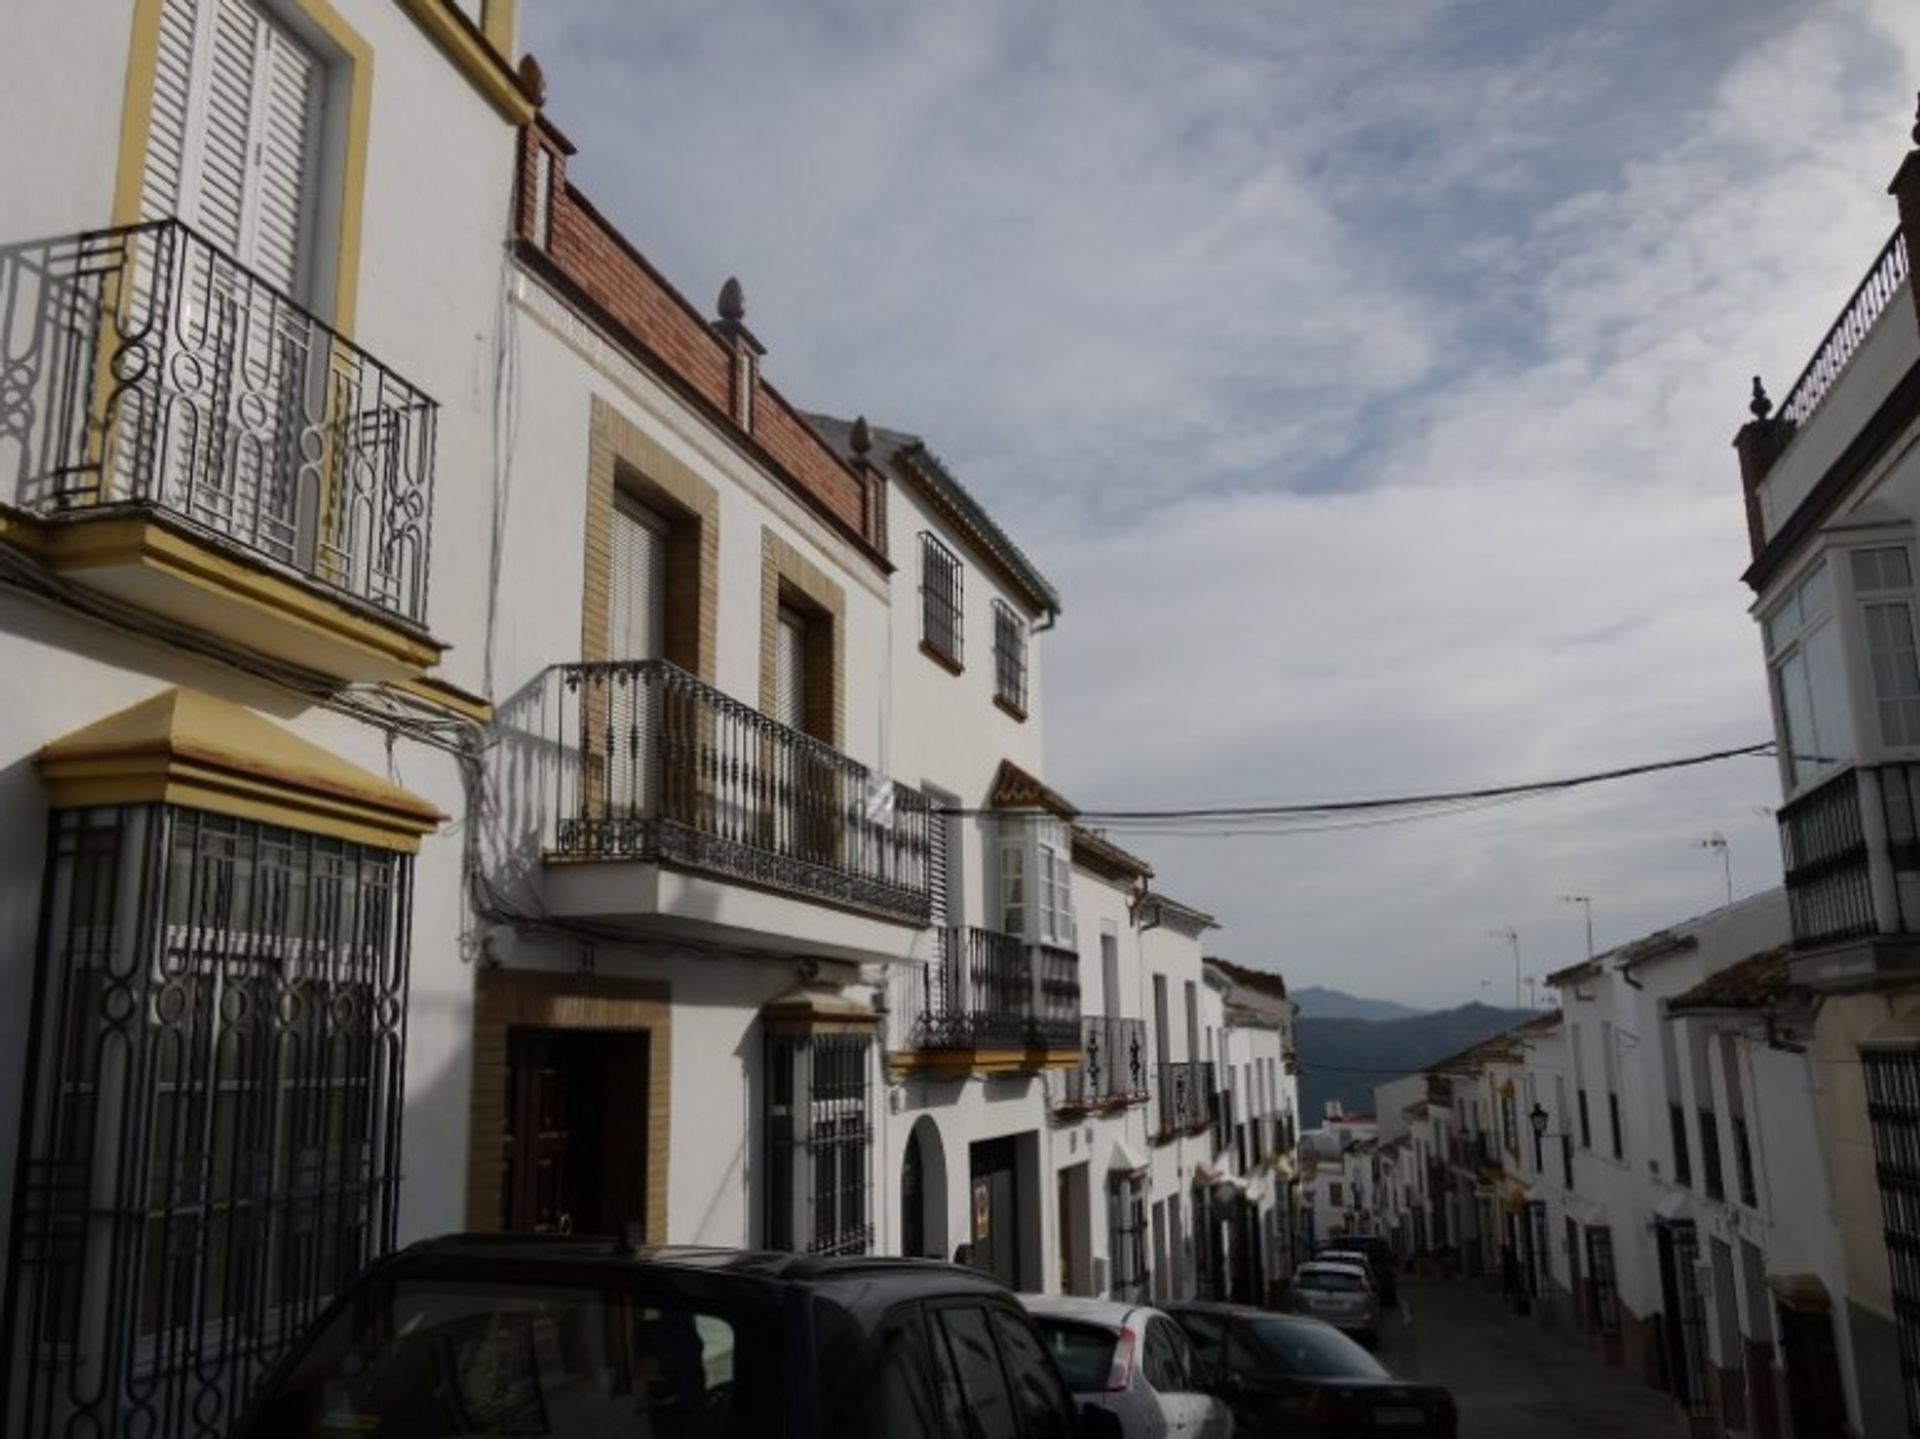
{"type": "Point", "coordinates": [1007, 706]}
{"type": "Point", "coordinates": [941, 657]}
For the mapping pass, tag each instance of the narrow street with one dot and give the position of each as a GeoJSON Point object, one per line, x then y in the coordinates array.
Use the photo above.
{"type": "Point", "coordinates": [1513, 1379]}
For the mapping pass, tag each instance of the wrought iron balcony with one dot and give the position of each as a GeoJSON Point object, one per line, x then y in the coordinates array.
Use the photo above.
{"type": "Point", "coordinates": [1833, 893]}
{"type": "Point", "coordinates": [1184, 1098]}
{"type": "Point", "coordinates": [144, 370]}
{"type": "Point", "coordinates": [1113, 1065]}
{"type": "Point", "coordinates": [991, 991]}
{"type": "Point", "coordinates": [657, 766]}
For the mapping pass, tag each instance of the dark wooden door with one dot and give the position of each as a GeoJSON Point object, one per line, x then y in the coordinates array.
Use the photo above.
{"type": "Point", "coordinates": [571, 1165]}
{"type": "Point", "coordinates": [1815, 1396]}
{"type": "Point", "coordinates": [995, 1211]}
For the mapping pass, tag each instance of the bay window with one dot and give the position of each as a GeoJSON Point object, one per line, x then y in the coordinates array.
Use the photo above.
{"type": "Point", "coordinates": [1036, 880]}
{"type": "Point", "coordinates": [1883, 585]}
{"type": "Point", "coordinates": [1808, 671]}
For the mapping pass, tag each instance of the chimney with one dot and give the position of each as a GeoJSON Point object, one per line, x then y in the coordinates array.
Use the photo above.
{"type": "Point", "coordinates": [1905, 190]}
{"type": "Point", "coordinates": [874, 508]}
{"type": "Point", "coordinates": [744, 352]}
{"type": "Point", "coordinates": [1758, 445]}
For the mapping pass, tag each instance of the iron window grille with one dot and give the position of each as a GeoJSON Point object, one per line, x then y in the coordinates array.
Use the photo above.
{"type": "Point", "coordinates": [1682, 1160]}
{"type": "Point", "coordinates": [819, 1143]}
{"type": "Point", "coordinates": [1686, 1318]}
{"type": "Point", "coordinates": [1710, 1154]}
{"type": "Point", "coordinates": [211, 1138]}
{"type": "Point", "coordinates": [1586, 1125]}
{"type": "Point", "coordinates": [942, 599]}
{"type": "Point", "coordinates": [1603, 1295]}
{"type": "Point", "coordinates": [1893, 1110]}
{"type": "Point", "coordinates": [1009, 656]}
{"type": "Point", "coordinates": [1127, 1238]}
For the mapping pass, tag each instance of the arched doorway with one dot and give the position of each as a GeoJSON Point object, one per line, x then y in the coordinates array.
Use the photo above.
{"type": "Point", "coordinates": [923, 1193]}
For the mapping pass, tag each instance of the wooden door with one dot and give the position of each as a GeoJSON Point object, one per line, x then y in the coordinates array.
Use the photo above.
{"type": "Point", "coordinates": [572, 1164]}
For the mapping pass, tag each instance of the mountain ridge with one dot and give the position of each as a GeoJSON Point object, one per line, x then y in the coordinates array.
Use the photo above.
{"type": "Point", "coordinates": [1318, 1001]}
{"type": "Point", "coordinates": [1344, 1058]}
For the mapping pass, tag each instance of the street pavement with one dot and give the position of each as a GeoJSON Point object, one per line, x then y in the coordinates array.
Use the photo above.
{"type": "Point", "coordinates": [1511, 1378]}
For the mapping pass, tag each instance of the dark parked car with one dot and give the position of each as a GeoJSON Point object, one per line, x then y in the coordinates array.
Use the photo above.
{"type": "Point", "coordinates": [1285, 1375]}
{"type": "Point", "coordinates": [490, 1335]}
{"type": "Point", "coordinates": [1380, 1256]}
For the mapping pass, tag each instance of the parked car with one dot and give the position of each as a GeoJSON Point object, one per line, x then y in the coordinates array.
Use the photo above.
{"type": "Point", "coordinates": [1378, 1249]}
{"type": "Point", "coordinates": [480, 1335]}
{"type": "Point", "coordinates": [1360, 1259]}
{"type": "Point", "coordinates": [1285, 1375]}
{"type": "Point", "coordinates": [1341, 1294]}
{"type": "Point", "coordinates": [1133, 1360]}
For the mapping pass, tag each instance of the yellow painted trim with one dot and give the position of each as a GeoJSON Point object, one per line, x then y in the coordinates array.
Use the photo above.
{"type": "Point", "coordinates": [497, 24]}
{"type": "Point", "coordinates": [982, 1061]}
{"type": "Point", "coordinates": [473, 56]}
{"type": "Point", "coordinates": [148, 541]}
{"type": "Point", "coordinates": [136, 123]}
{"type": "Point", "coordinates": [187, 748]}
{"type": "Point", "coordinates": [21, 530]}
{"type": "Point", "coordinates": [449, 696]}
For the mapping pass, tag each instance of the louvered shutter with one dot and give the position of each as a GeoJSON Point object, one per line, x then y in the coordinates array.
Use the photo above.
{"type": "Point", "coordinates": [280, 190]}
{"type": "Point", "coordinates": [937, 860]}
{"type": "Point", "coordinates": [215, 194]}
{"type": "Point", "coordinates": [790, 670]}
{"type": "Point", "coordinates": [637, 593]}
{"type": "Point", "coordinates": [167, 134]}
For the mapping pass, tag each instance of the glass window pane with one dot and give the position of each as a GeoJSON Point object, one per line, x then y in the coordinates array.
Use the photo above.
{"type": "Point", "coordinates": [975, 1361]}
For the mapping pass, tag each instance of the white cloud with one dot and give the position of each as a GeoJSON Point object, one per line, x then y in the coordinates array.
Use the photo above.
{"type": "Point", "coordinates": [1363, 374]}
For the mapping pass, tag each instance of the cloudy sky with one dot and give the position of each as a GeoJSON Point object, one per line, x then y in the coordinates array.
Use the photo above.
{"type": "Point", "coordinates": [1363, 373]}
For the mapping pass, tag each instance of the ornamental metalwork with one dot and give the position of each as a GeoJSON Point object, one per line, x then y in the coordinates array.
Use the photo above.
{"type": "Point", "coordinates": [211, 1146]}
{"type": "Point", "coordinates": [1113, 1065]}
{"type": "Point", "coordinates": [819, 1192]}
{"type": "Point", "coordinates": [656, 765]}
{"type": "Point", "coordinates": [987, 990]}
{"type": "Point", "coordinates": [1857, 317]}
{"type": "Point", "coordinates": [144, 369]}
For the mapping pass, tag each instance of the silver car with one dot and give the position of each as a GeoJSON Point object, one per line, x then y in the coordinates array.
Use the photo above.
{"type": "Point", "coordinates": [1341, 1294]}
{"type": "Point", "coordinates": [1134, 1361]}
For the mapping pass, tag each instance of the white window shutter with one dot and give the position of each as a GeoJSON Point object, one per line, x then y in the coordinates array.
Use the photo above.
{"type": "Point", "coordinates": [637, 589]}
{"type": "Point", "coordinates": [790, 670]}
{"type": "Point", "coordinates": [168, 132]}
{"type": "Point", "coordinates": [280, 189]}
{"type": "Point", "coordinates": [215, 198]}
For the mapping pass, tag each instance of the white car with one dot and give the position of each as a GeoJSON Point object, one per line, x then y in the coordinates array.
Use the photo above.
{"type": "Point", "coordinates": [1134, 1361]}
{"type": "Point", "coordinates": [1341, 1294]}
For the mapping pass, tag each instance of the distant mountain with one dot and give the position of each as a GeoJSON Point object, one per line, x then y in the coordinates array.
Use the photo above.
{"type": "Point", "coordinates": [1344, 1058]}
{"type": "Point", "coordinates": [1318, 1003]}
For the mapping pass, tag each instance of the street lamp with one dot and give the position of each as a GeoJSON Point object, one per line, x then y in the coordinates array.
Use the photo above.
{"type": "Point", "coordinates": [1512, 937]}
{"type": "Point", "coordinates": [1586, 903]}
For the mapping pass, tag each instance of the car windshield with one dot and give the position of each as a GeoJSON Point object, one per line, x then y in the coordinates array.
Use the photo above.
{"type": "Point", "coordinates": [1315, 1349]}
{"type": "Point", "coordinates": [1083, 1352]}
{"type": "Point", "coordinates": [439, 1358]}
{"type": "Point", "coordinates": [1335, 1279]}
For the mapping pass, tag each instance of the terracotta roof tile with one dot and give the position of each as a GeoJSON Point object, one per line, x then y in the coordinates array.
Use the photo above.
{"type": "Point", "coordinates": [1756, 982]}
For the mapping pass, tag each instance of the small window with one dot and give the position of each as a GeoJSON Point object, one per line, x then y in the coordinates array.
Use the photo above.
{"type": "Point", "coordinates": [941, 600]}
{"type": "Point", "coordinates": [1009, 656]}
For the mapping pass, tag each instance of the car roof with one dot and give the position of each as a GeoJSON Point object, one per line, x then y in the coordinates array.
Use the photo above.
{"type": "Point", "coordinates": [1112, 1313]}
{"type": "Point", "coordinates": [1335, 1265]}
{"type": "Point", "coordinates": [864, 1284]}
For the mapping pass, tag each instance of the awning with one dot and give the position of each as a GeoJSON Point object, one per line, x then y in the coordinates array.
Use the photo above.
{"type": "Point", "coordinates": [1801, 1291]}
{"type": "Point", "coordinates": [1125, 1159]}
{"type": "Point", "coordinates": [1673, 1205]}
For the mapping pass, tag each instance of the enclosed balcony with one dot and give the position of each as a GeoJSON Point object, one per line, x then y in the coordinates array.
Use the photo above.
{"type": "Point", "coordinates": [989, 1002]}
{"type": "Point", "coordinates": [674, 805]}
{"type": "Point", "coordinates": [1851, 850]}
{"type": "Point", "coordinates": [1113, 1066]}
{"type": "Point", "coordinates": [181, 435]}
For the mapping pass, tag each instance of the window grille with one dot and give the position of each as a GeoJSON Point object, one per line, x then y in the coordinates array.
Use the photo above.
{"type": "Point", "coordinates": [1009, 656]}
{"type": "Point", "coordinates": [942, 597]}
{"type": "Point", "coordinates": [1682, 1160]}
{"type": "Point", "coordinates": [214, 1093]}
{"type": "Point", "coordinates": [1710, 1154]}
{"type": "Point", "coordinates": [1604, 1298]}
{"type": "Point", "coordinates": [1893, 1110]}
{"type": "Point", "coordinates": [819, 1140]}
{"type": "Point", "coordinates": [1127, 1238]}
{"type": "Point", "coordinates": [1586, 1125]}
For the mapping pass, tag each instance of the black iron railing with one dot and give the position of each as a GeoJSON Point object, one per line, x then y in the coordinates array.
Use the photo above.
{"type": "Point", "coordinates": [1823, 847]}
{"type": "Point", "coordinates": [1113, 1064]}
{"type": "Point", "coordinates": [657, 765]}
{"type": "Point", "coordinates": [1183, 1092]}
{"type": "Point", "coordinates": [1682, 1157]}
{"type": "Point", "coordinates": [986, 990]}
{"type": "Point", "coordinates": [144, 369]}
{"type": "Point", "coordinates": [1857, 317]}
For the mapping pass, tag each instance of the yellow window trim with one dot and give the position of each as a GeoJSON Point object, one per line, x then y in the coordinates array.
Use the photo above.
{"type": "Point", "coordinates": [982, 1061]}
{"type": "Point", "coordinates": [152, 541]}
{"type": "Point", "coordinates": [479, 54]}
{"type": "Point", "coordinates": [136, 123]}
{"type": "Point", "coordinates": [449, 696]}
{"type": "Point", "coordinates": [187, 748]}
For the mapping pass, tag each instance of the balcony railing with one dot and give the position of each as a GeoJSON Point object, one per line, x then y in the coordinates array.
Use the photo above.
{"type": "Point", "coordinates": [656, 765]}
{"type": "Point", "coordinates": [985, 990]}
{"type": "Point", "coordinates": [143, 369]}
{"type": "Point", "coordinates": [1857, 318]}
{"type": "Point", "coordinates": [1113, 1064]}
{"type": "Point", "coordinates": [1823, 848]}
{"type": "Point", "coordinates": [1183, 1091]}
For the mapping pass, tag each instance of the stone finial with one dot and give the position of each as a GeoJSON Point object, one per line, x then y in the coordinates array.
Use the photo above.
{"type": "Point", "coordinates": [862, 438]}
{"type": "Point", "coordinates": [1760, 405]}
{"type": "Point", "coordinates": [733, 301]}
{"type": "Point", "coordinates": [533, 80]}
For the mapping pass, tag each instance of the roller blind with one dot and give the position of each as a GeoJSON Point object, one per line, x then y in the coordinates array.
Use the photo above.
{"type": "Point", "coordinates": [790, 669]}
{"type": "Point", "coordinates": [637, 591]}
